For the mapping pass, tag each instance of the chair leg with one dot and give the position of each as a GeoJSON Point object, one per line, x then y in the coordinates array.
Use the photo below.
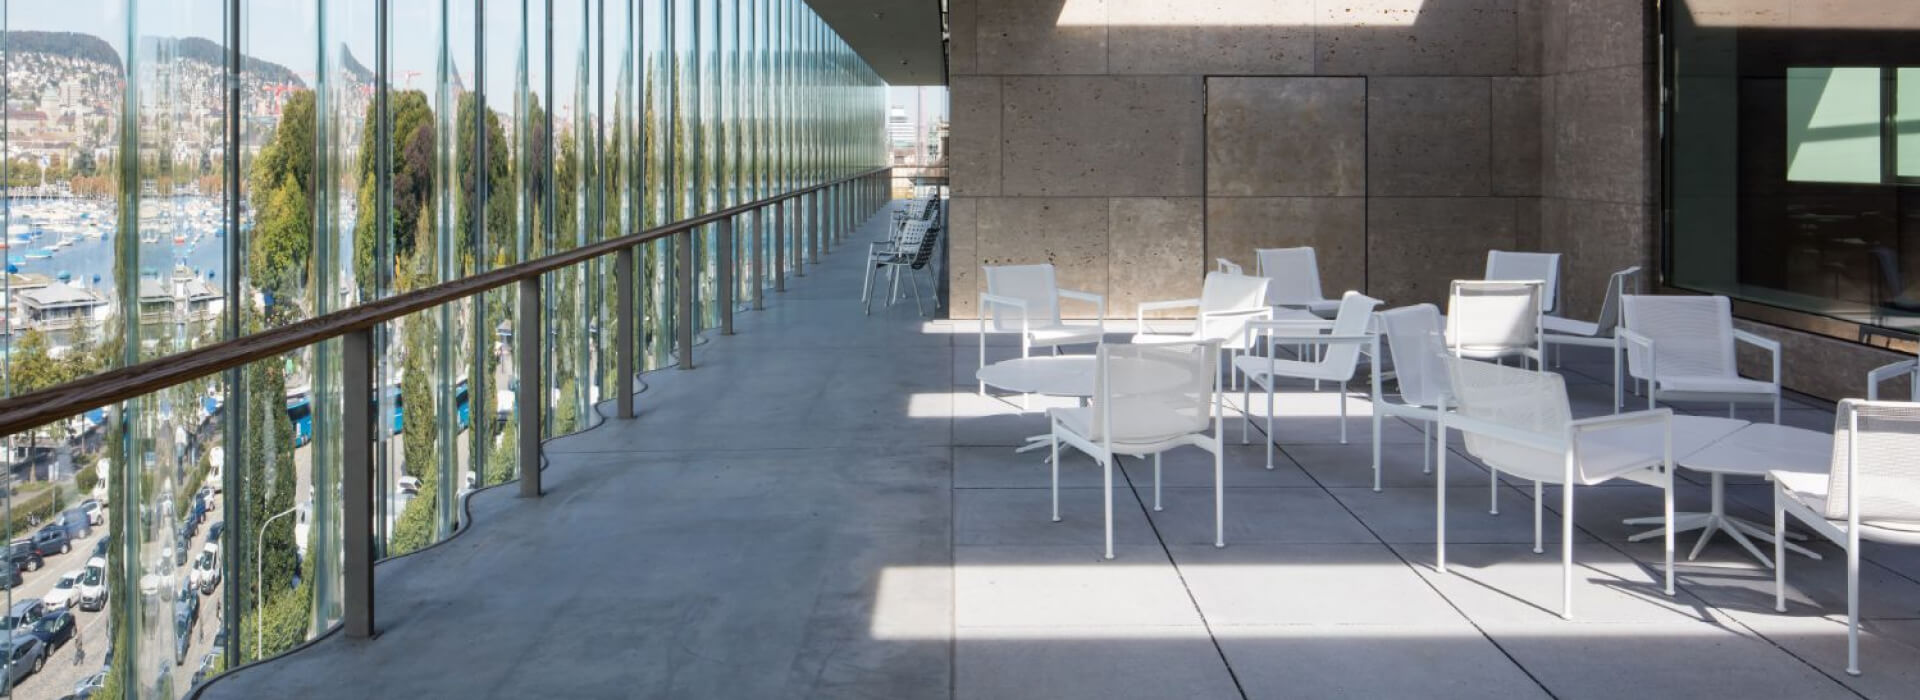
{"type": "Point", "coordinates": [866, 290]}
{"type": "Point", "coordinates": [1055, 462]}
{"type": "Point", "coordinates": [1426, 447]}
{"type": "Point", "coordinates": [1376, 447]}
{"type": "Point", "coordinates": [915, 283]}
{"type": "Point", "coordinates": [1853, 600]}
{"type": "Point", "coordinates": [1779, 554]}
{"type": "Point", "coordinates": [1776, 409]}
{"type": "Point", "coordinates": [1493, 484]}
{"type": "Point", "coordinates": [1246, 416]}
{"type": "Point", "coordinates": [1269, 439]}
{"type": "Point", "coordinates": [1156, 482]}
{"type": "Point", "coordinates": [1666, 505]}
{"type": "Point", "coordinates": [1219, 496]}
{"type": "Point", "coordinates": [1342, 398]}
{"type": "Point", "coordinates": [1536, 519]}
{"type": "Point", "coordinates": [1106, 468]}
{"type": "Point", "coordinates": [1440, 512]}
{"type": "Point", "coordinates": [1566, 551]}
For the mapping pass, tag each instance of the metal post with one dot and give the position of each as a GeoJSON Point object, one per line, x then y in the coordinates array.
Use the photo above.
{"type": "Point", "coordinates": [528, 329]}
{"type": "Point", "coordinates": [356, 381]}
{"type": "Point", "coordinates": [813, 228]}
{"type": "Point", "coordinates": [727, 267]}
{"type": "Point", "coordinates": [826, 220]}
{"type": "Point", "coordinates": [625, 321]}
{"type": "Point", "coordinates": [780, 245]}
{"type": "Point", "coordinates": [683, 296]}
{"type": "Point", "coordinates": [759, 233]}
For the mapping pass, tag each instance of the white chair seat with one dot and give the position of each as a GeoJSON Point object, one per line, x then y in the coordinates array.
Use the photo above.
{"type": "Point", "coordinates": [1256, 368]}
{"type": "Point", "coordinates": [1321, 307]}
{"type": "Point", "coordinates": [1136, 422]}
{"type": "Point", "coordinates": [1064, 334]}
{"type": "Point", "coordinates": [1569, 326]}
{"type": "Point", "coordinates": [1716, 385]}
{"type": "Point", "coordinates": [1810, 490]}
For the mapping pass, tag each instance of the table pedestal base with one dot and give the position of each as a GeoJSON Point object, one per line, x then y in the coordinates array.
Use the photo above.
{"type": "Point", "coordinates": [1716, 521]}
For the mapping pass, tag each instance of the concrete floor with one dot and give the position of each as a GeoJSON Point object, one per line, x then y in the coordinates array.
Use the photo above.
{"type": "Point", "coordinates": [825, 508]}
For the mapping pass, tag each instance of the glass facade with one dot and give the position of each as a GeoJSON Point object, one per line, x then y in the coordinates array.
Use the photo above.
{"type": "Point", "coordinates": [182, 172]}
{"type": "Point", "coordinates": [1793, 155]}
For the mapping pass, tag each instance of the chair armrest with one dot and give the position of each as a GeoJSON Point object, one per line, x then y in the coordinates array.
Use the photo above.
{"type": "Point", "coordinates": [1881, 374]}
{"type": "Point", "coordinates": [1468, 424]}
{"type": "Point", "coordinates": [1764, 343]}
{"type": "Point", "coordinates": [997, 300]}
{"type": "Point", "coordinates": [1099, 301]}
{"type": "Point", "coordinates": [1171, 304]}
{"type": "Point", "coordinates": [1621, 420]}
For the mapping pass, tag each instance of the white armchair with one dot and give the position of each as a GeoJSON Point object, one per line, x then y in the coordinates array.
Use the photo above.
{"type": "Point", "coordinates": [1871, 493]}
{"type": "Point", "coordinates": [1597, 333]}
{"type": "Point", "coordinates": [1343, 341]}
{"type": "Point", "coordinates": [1227, 303]}
{"type": "Point", "coordinates": [1520, 422]}
{"type": "Point", "coordinates": [1683, 347]}
{"type": "Point", "coordinates": [1147, 399]}
{"type": "Point", "coordinates": [1495, 319]}
{"type": "Point", "coordinates": [1025, 299]}
{"type": "Point", "coordinates": [1510, 266]}
{"type": "Point", "coordinates": [1296, 279]}
{"type": "Point", "coordinates": [1419, 351]}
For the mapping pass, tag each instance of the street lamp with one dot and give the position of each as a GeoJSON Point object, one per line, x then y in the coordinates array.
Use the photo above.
{"type": "Point", "coordinates": [259, 617]}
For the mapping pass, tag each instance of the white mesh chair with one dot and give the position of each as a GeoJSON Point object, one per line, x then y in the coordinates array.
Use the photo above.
{"type": "Point", "coordinates": [1519, 421]}
{"type": "Point", "coordinates": [888, 255]}
{"type": "Point", "coordinates": [912, 256]}
{"type": "Point", "coordinates": [1296, 279]}
{"type": "Point", "coordinates": [1228, 266]}
{"type": "Point", "coordinates": [1683, 347]}
{"type": "Point", "coordinates": [1871, 493]}
{"type": "Point", "coordinates": [1227, 302]}
{"type": "Point", "coordinates": [1025, 299]}
{"type": "Point", "coordinates": [1910, 369]}
{"type": "Point", "coordinates": [1510, 266]}
{"type": "Point", "coordinates": [1494, 319]}
{"type": "Point", "coordinates": [1342, 342]}
{"type": "Point", "coordinates": [1597, 333]}
{"type": "Point", "coordinates": [1419, 351]}
{"type": "Point", "coordinates": [1147, 399]}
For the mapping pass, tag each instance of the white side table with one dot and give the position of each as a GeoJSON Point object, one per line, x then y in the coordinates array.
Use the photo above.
{"type": "Point", "coordinates": [1750, 451]}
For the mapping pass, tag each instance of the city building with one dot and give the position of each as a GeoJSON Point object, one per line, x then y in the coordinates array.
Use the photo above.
{"type": "Point", "coordinates": [488, 349]}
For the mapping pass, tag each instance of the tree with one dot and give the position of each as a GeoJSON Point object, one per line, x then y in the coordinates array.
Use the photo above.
{"type": "Point", "coordinates": [412, 170]}
{"type": "Point", "coordinates": [282, 180]}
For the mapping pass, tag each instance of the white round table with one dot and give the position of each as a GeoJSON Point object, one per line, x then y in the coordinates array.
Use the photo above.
{"type": "Point", "coordinates": [1753, 450]}
{"type": "Point", "coordinates": [1073, 375]}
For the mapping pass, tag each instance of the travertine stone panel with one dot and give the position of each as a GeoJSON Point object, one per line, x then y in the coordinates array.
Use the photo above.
{"type": "Point", "coordinates": [1416, 37]}
{"type": "Point", "coordinates": [1101, 136]}
{"type": "Point", "coordinates": [1286, 137]}
{"type": "Point", "coordinates": [1529, 52]}
{"type": "Point", "coordinates": [1209, 37]}
{"type": "Point", "coordinates": [964, 43]}
{"type": "Point", "coordinates": [1600, 136]}
{"type": "Point", "coordinates": [1428, 137]}
{"type": "Point", "coordinates": [963, 257]}
{"type": "Point", "coordinates": [974, 160]}
{"type": "Point", "coordinates": [1417, 246]}
{"type": "Point", "coordinates": [1070, 232]}
{"type": "Point", "coordinates": [1595, 239]}
{"type": "Point", "coordinates": [1154, 247]}
{"type": "Point", "coordinates": [1336, 227]}
{"type": "Point", "coordinates": [1828, 368]}
{"type": "Point", "coordinates": [1526, 224]}
{"type": "Point", "coordinates": [1516, 137]}
{"type": "Point", "coordinates": [1037, 37]}
{"type": "Point", "coordinates": [1587, 34]}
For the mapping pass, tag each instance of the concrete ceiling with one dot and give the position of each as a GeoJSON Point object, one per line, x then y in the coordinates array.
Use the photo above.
{"type": "Point", "coordinates": [899, 38]}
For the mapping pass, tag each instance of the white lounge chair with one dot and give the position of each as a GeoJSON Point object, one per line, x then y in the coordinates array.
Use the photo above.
{"type": "Point", "coordinates": [1342, 342]}
{"type": "Point", "coordinates": [1296, 279]}
{"type": "Point", "coordinates": [1025, 299]}
{"type": "Point", "coordinates": [1683, 347]}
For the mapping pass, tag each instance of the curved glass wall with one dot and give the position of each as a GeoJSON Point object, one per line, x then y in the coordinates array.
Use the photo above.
{"type": "Point", "coordinates": [182, 172]}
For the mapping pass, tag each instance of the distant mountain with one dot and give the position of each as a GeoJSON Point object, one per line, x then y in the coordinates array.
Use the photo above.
{"type": "Point", "coordinates": [353, 67]}
{"type": "Point", "coordinates": [86, 47]}
{"type": "Point", "coordinates": [194, 48]}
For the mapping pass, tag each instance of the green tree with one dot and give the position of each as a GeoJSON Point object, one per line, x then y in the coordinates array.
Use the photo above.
{"type": "Point", "coordinates": [412, 170]}
{"type": "Point", "coordinates": [282, 181]}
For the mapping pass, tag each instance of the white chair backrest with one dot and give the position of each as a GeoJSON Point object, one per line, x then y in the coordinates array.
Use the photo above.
{"type": "Point", "coordinates": [1228, 266]}
{"type": "Point", "coordinates": [1619, 284]}
{"type": "Point", "coordinates": [1490, 317]}
{"type": "Point", "coordinates": [1230, 294]}
{"type": "Point", "coordinates": [1033, 284]}
{"type": "Point", "coordinates": [1295, 274]}
{"type": "Point", "coordinates": [1151, 392]}
{"type": "Point", "coordinates": [1885, 454]}
{"type": "Point", "coordinates": [1516, 400]}
{"type": "Point", "coordinates": [912, 233]}
{"type": "Point", "coordinates": [1419, 353]}
{"type": "Point", "coordinates": [1355, 314]}
{"type": "Point", "coordinates": [1692, 335]}
{"type": "Point", "coordinates": [1506, 265]}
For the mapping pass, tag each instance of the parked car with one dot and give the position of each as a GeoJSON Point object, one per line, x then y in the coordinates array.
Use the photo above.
{"type": "Point", "coordinates": [206, 569]}
{"type": "Point", "coordinates": [90, 684]}
{"type": "Point", "coordinates": [76, 522]}
{"type": "Point", "coordinates": [214, 530]}
{"type": "Point", "coordinates": [207, 664]}
{"type": "Point", "coordinates": [182, 636]}
{"type": "Point", "coordinates": [96, 512]}
{"type": "Point", "coordinates": [21, 554]}
{"type": "Point", "coordinates": [93, 586]}
{"type": "Point", "coordinates": [206, 495]}
{"type": "Point", "coordinates": [21, 617]}
{"type": "Point", "coordinates": [51, 540]}
{"type": "Point", "coordinates": [409, 484]}
{"type": "Point", "coordinates": [28, 656]}
{"type": "Point", "coordinates": [9, 575]}
{"type": "Point", "coordinates": [56, 629]}
{"type": "Point", "coordinates": [187, 604]}
{"type": "Point", "coordinates": [65, 592]}
{"type": "Point", "coordinates": [100, 547]}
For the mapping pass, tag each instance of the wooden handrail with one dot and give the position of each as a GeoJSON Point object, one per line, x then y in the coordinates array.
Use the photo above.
{"type": "Point", "coordinates": [28, 411]}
